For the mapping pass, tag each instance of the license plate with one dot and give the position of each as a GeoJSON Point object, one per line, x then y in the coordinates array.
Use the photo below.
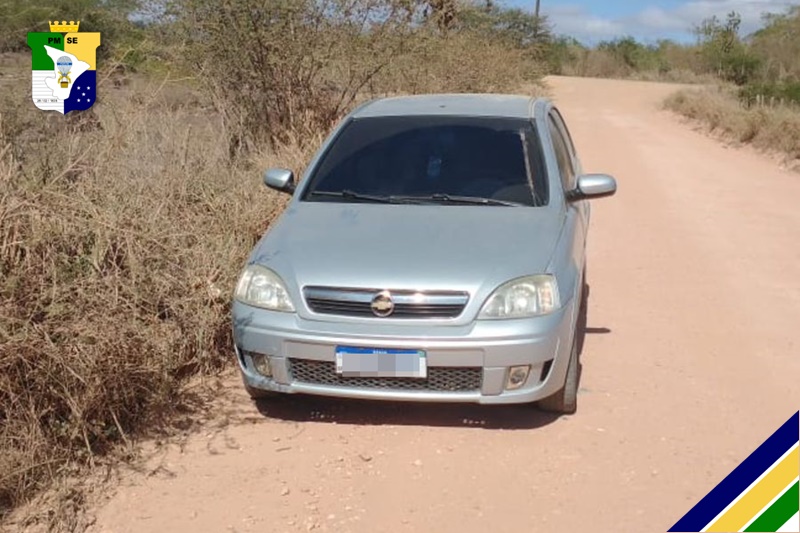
{"type": "Point", "coordinates": [380, 362]}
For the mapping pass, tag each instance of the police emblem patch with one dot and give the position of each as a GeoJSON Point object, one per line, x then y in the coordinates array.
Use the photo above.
{"type": "Point", "coordinates": [63, 63]}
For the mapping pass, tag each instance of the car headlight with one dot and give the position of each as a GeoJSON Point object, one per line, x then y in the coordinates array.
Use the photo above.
{"type": "Point", "coordinates": [523, 297]}
{"type": "Point", "coordinates": [261, 287]}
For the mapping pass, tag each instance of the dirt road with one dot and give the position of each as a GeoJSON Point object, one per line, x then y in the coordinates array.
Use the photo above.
{"type": "Point", "coordinates": [691, 361]}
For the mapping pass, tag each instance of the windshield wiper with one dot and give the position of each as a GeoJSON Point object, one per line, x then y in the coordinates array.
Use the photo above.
{"type": "Point", "coordinates": [352, 195]}
{"type": "Point", "coordinates": [466, 200]}
{"type": "Point", "coordinates": [438, 198]}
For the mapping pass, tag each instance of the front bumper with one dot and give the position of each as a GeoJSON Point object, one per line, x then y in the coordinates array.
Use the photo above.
{"type": "Point", "coordinates": [488, 346]}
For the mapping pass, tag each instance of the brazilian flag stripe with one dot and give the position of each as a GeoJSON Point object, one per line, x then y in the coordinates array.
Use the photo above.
{"type": "Point", "coordinates": [760, 461]}
{"type": "Point", "coordinates": [779, 512]}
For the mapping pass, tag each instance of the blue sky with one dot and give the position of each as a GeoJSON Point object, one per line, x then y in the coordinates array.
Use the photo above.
{"type": "Point", "coordinates": [649, 20]}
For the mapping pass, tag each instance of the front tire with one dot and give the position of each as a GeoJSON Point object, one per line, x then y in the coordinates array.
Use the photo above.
{"type": "Point", "coordinates": [565, 401]}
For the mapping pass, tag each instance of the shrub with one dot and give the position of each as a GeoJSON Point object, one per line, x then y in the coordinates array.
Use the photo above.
{"type": "Point", "coordinates": [461, 62]}
{"type": "Point", "coordinates": [771, 93]}
{"type": "Point", "coordinates": [769, 128]}
{"type": "Point", "coordinates": [119, 246]}
{"type": "Point", "coordinates": [284, 66]}
{"type": "Point", "coordinates": [777, 44]}
{"type": "Point", "coordinates": [286, 69]}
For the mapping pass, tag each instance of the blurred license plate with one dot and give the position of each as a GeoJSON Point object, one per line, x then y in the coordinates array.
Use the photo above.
{"type": "Point", "coordinates": [379, 362]}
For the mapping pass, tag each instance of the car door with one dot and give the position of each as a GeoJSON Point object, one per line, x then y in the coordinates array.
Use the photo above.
{"type": "Point", "coordinates": [577, 213]}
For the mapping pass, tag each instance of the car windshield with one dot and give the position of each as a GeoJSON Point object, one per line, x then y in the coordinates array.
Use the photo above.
{"type": "Point", "coordinates": [432, 159]}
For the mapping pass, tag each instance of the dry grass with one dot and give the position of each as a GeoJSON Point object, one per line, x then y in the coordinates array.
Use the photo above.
{"type": "Point", "coordinates": [683, 76]}
{"type": "Point", "coordinates": [122, 231]}
{"type": "Point", "coordinates": [768, 128]}
{"type": "Point", "coordinates": [595, 63]}
{"type": "Point", "coordinates": [458, 64]}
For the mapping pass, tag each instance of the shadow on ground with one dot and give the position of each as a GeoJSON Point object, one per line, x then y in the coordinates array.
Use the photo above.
{"type": "Point", "coordinates": [302, 408]}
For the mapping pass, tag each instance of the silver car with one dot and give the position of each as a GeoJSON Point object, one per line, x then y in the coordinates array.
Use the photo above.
{"type": "Point", "coordinates": [435, 251]}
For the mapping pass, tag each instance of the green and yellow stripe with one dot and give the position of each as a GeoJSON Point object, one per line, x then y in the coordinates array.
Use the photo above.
{"type": "Point", "coordinates": [777, 515]}
{"type": "Point", "coordinates": [756, 499]}
{"type": "Point", "coordinates": [760, 495]}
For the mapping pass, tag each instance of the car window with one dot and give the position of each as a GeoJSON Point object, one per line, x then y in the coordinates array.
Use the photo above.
{"type": "Point", "coordinates": [562, 126]}
{"type": "Point", "coordinates": [422, 156]}
{"type": "Point", "coordinates": [562, 156]}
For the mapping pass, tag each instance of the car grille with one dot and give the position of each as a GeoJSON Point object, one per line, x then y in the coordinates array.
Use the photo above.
{"type": "Point", "coordinates": [407, 304]}
{"type": "Point", "coordinates": [440, 379]}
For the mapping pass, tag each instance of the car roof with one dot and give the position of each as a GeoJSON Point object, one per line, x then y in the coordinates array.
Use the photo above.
{"type": "Point", "coordinates": [468, 105]}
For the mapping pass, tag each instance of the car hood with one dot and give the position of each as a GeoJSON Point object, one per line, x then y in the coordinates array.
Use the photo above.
{"type": "Point", "coordinates": [421, 247]}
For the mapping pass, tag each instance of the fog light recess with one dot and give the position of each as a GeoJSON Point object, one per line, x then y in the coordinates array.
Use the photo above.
{"type": "Point", "coordinates": [517, 376]}
{"type": "Point", "coordinates": [261, 363]}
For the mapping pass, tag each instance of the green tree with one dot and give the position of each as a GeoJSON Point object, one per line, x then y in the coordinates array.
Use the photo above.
{"type": "Point", "coordinates": [627, 50]}
{"type": "Point", "coordinates": [563, 51]}
{"type": "Point", "coordinates": [723, 51]}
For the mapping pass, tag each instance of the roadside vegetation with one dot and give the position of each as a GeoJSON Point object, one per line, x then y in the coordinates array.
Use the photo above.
{"type": "Point", "coordinates": [773, 128]}
{"type": "Point", "coordinates": [757, 97]}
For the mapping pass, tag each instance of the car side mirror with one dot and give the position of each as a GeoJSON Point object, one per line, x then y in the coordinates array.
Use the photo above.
{"type": "Point", "coordinates": [280, 179]}
{"type": "Point", "coordinates": [591, 186]}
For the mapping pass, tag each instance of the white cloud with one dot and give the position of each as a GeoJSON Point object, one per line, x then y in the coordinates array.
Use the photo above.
{"type": "Point", "coordinates": [577, 22]}
{"type": "Point", "coordinates": [654, 22]}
